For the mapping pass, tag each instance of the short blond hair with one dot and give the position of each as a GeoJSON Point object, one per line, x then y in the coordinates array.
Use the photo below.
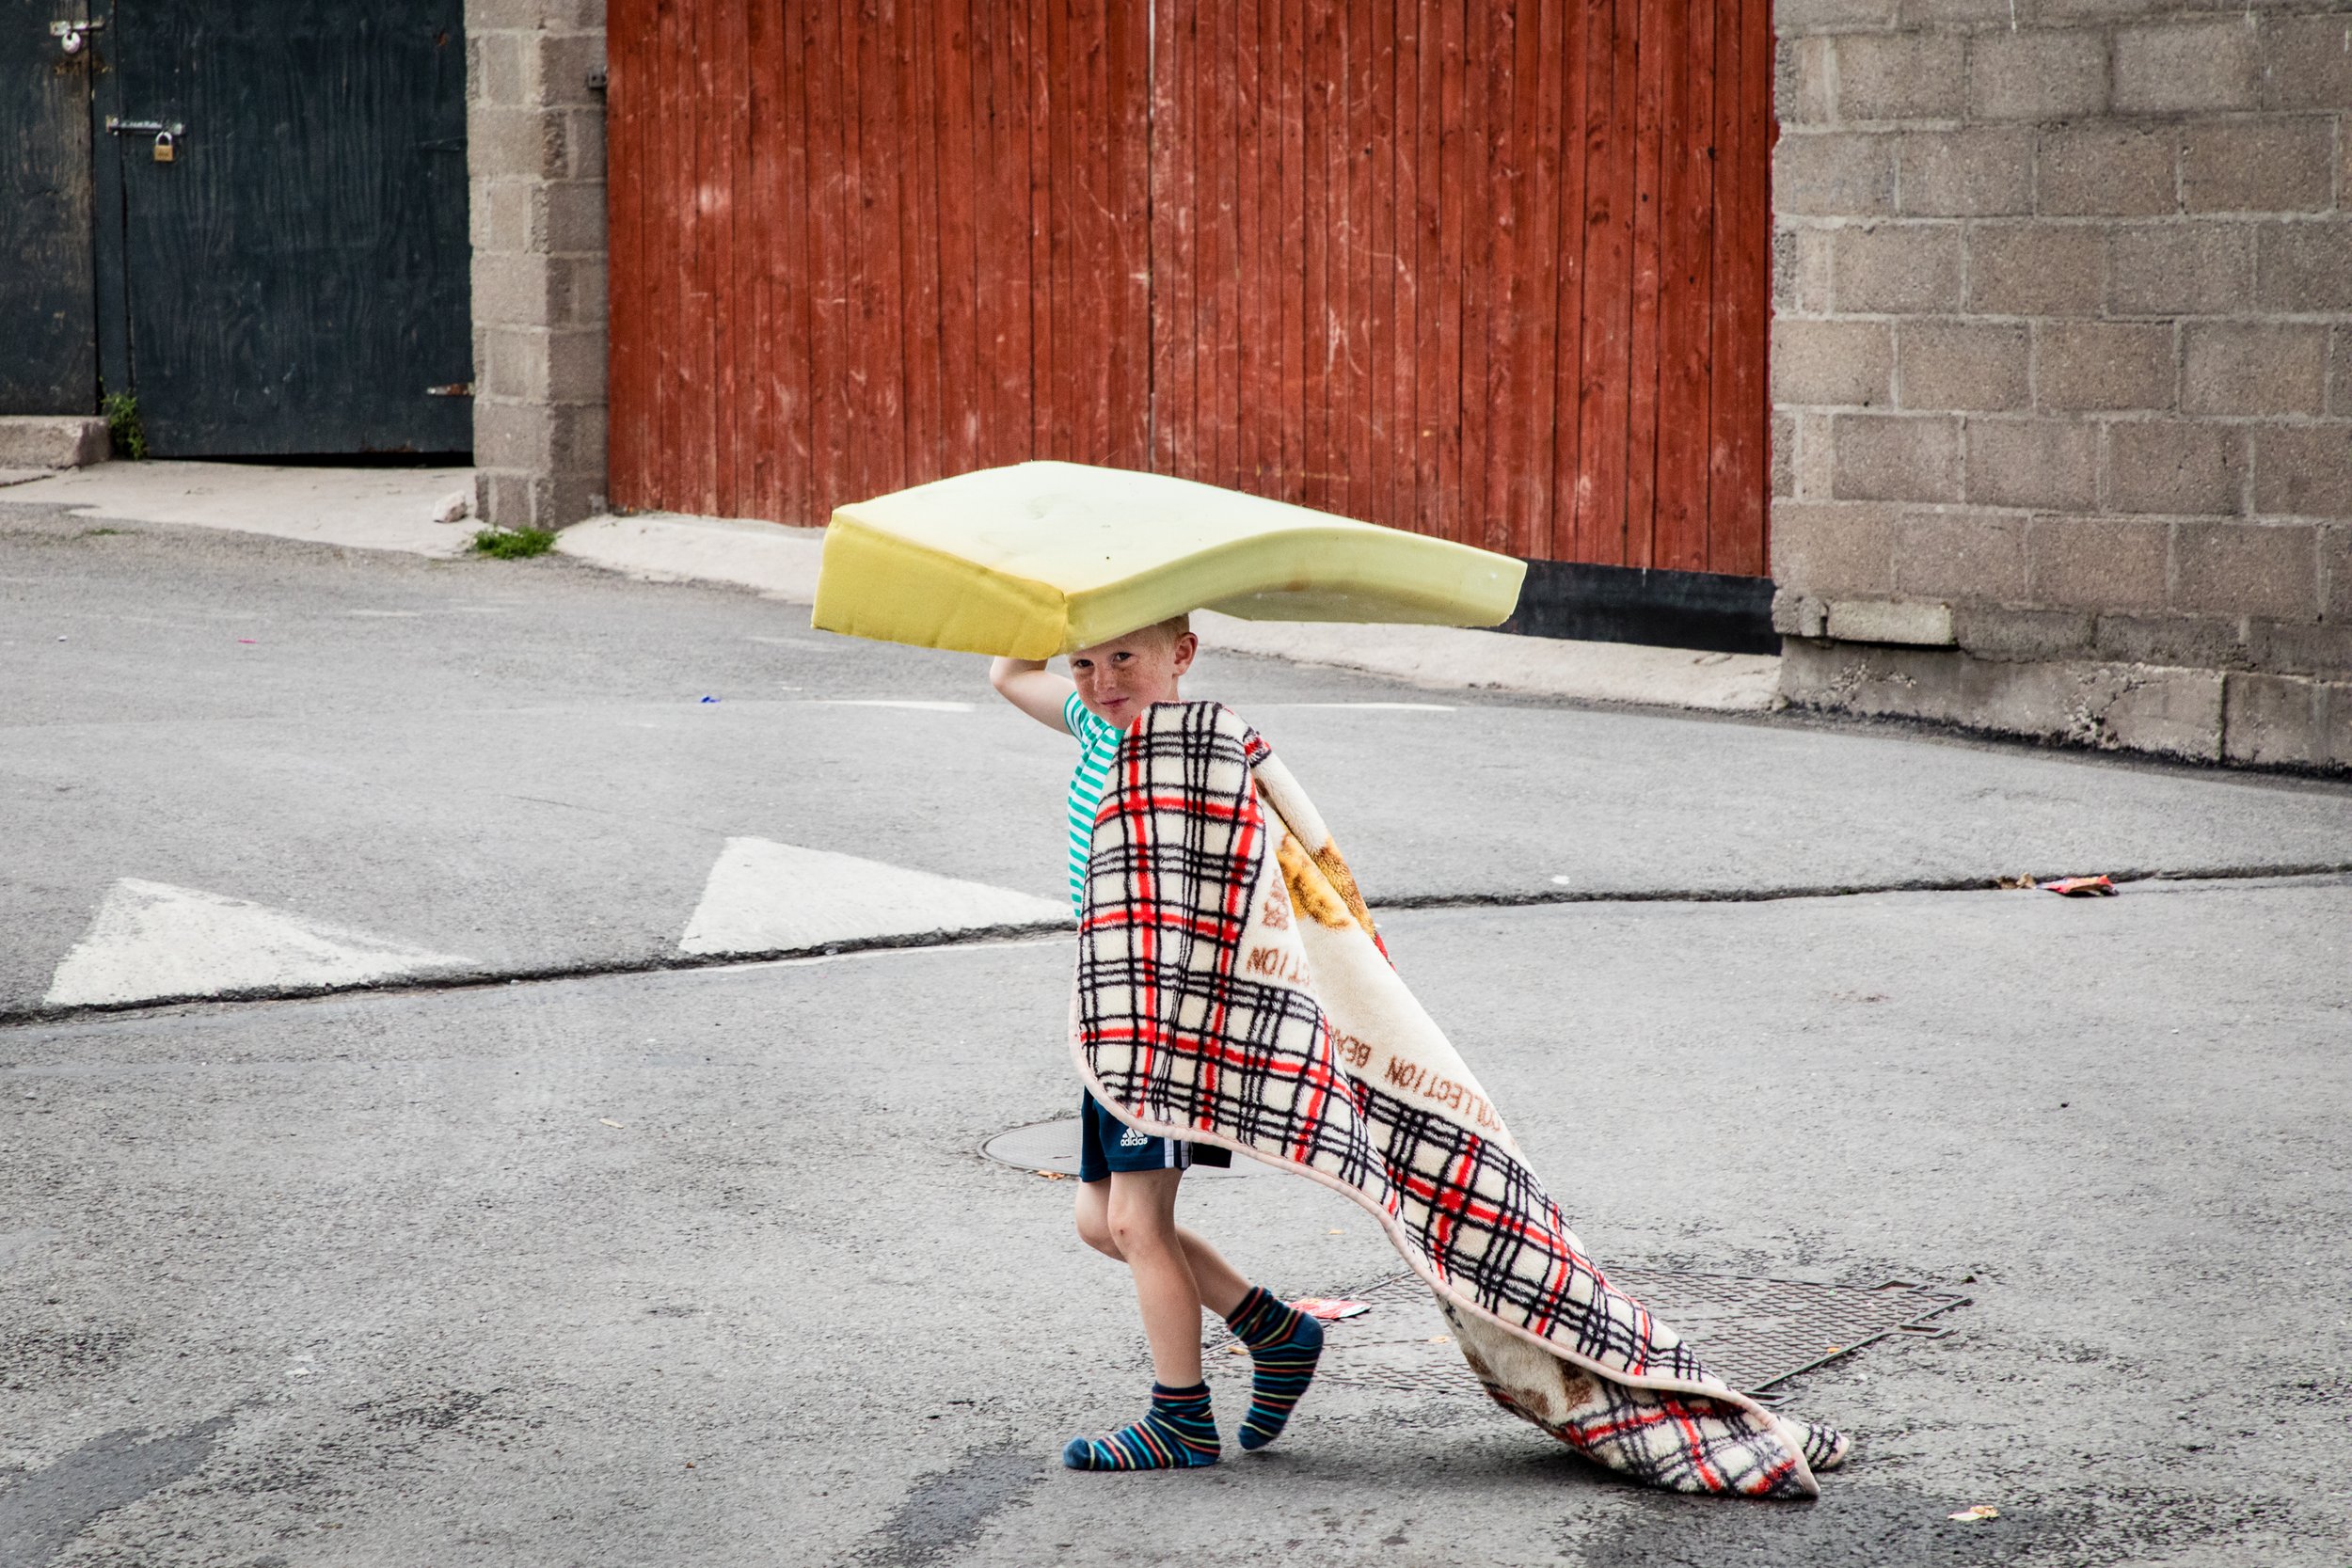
{"type": "Point", "coordinates": [1167, 632]}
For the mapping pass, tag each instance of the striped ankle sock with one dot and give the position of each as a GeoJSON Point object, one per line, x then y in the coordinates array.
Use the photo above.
{"type": "Point", "coordinates": [1284, 1345]}
{"type": "Point", "coordinates": [1178, 1434]}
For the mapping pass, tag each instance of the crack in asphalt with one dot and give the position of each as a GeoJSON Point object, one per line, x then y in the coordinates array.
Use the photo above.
{"type": "Point", "coordinates": [21, 1016]}
{"type": "Point", "coordinates": [1840, 889]}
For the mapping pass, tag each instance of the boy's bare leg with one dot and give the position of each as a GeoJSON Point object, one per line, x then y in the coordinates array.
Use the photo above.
{"type": "Point", "coordinates": [1137, 1218]}
{"type": "Point", "coordinates": [1143, 1227]}
{"type": "Point", "coordinates": [1132, 1216]}
{"type": "Point", "coordinates": [1220, 1286]}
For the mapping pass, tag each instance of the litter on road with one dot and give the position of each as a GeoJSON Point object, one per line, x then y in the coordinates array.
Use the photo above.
{"type": "Point", "coordinates": [1331, 1310]}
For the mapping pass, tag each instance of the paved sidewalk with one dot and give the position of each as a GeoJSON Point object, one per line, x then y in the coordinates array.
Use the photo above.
{"type": "Point", "coordinates": [368, 508]}
{"type": "Point", "coordinates": [782, 563]}
{"type": "Point", "coordinates": [392, 509]}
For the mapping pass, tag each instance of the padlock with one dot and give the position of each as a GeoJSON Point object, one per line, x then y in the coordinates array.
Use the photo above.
{"type": "Point", "coordinates": [163, 149]}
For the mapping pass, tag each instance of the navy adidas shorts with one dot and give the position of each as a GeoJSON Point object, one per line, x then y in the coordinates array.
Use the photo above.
{"type": "Point", "coordinates": [1107, 1144]}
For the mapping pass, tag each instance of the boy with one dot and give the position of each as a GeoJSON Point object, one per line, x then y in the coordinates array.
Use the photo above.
{"type": "Point", "coordinates": [1128, 1180]}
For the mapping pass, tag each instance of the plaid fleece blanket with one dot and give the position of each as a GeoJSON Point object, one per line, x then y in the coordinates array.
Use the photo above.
{"type": "Point", "coordinates": [1231, 990]}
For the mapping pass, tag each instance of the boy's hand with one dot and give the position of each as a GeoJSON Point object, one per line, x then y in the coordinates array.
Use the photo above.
{"type": "Point", "coordinates": [1027, 684]}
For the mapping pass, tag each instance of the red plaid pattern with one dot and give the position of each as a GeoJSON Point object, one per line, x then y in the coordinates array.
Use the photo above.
{"type": "Point", "coordinates": [1175, 1034]}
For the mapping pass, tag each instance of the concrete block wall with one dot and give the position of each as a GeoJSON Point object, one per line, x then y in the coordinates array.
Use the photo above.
{"type": "Point", "coordinates": [534, 139]}
{"type": "Point", "coordinates": [2062, 369]}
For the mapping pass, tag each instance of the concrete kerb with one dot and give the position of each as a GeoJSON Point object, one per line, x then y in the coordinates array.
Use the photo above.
{"type": "Point", "coordinates": [44, 442]}
{"type": "Point", "coordinates": [781, 563]}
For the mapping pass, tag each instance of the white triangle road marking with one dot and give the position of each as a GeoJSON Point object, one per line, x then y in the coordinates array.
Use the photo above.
{"type": "Point", "coordinates": [767, 898]}
{"type": "Point", "coordinates": [151, 939]}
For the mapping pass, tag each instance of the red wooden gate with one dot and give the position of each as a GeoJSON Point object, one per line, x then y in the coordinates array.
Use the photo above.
{"type": "Point", "coordinates": [1491, 269]}
{"type": "Point", "coordinates": [857, 245]}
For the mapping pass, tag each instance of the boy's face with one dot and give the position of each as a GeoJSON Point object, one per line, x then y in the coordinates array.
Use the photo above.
{"type": "Point", "coordinates": [1119, 679]}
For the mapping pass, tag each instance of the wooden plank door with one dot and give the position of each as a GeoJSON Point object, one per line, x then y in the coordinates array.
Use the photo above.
{"type": "Point", "coordinates": [296, 278]}
{"type": "Point", "coordinates": [1488, 269]}
{"type": "Point", "coordinates": [49, 343]}
{"type": "Point", "coordinates": [1494, 270]}
{"type": "Point", "coordinates": [857, 245]}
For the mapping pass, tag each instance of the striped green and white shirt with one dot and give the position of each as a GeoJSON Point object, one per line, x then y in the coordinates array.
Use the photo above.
{"type": "Point", "coordinates": [1098, 742]}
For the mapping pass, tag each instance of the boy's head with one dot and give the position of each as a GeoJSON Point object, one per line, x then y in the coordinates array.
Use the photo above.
{"type": "Point", "coordinates": [1118, 678]}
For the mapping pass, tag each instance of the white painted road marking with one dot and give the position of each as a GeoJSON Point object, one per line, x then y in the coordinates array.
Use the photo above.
{"type": "Point", "coordinates": [767, 898]}
{"type": "Point", "coordinates": [954, 951]}
{"type": "Point", "coordinates": [151, 939]}
{"type": "Point", "coordinates": [886, 702]}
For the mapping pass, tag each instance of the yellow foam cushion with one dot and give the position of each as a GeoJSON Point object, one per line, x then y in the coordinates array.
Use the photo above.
{"type": "Point", "coordinates": [1037, 558]}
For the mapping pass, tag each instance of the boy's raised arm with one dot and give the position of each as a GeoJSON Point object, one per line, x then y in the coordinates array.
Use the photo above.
{"type": "Point", "coordinates": [1027, 684]}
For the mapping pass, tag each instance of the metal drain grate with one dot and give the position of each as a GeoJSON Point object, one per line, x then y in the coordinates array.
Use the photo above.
{"type": "Point", "coordinates": [1753, 1333]}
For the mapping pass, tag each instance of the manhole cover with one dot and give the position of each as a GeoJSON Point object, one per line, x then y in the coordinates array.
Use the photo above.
{"type": "Point", "coordinates": [1053, 1146]}
{"type": "Point", "coordinates": [1753, 1333]}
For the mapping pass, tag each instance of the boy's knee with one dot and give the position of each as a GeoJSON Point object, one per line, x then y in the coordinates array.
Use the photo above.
{"type": "Point", "coordinates": [1094, 1229]}
{"type": "Point", "coordinates": [1139, 1228]}
{"type": "Point", "coordinates": [1091, 1215]}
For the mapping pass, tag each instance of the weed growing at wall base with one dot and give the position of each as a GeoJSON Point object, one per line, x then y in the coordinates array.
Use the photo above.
{"type": "Point", "coordinates": [513, 544]}
{"type": "Point", "coordinates": [124, 428]}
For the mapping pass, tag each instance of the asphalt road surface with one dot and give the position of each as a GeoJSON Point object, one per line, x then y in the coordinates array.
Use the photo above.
{"type": "Point", "coordinates": [703, 1265]}
{"type": "Point", "coordinates": [524, 767]}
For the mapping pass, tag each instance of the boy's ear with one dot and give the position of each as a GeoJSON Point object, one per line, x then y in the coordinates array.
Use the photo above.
{"type": "Point", "coordinates": [1187, 645]}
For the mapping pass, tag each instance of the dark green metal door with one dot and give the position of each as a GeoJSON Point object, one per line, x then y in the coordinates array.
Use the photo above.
{"type": "Point", "coordinates": [48, 337]}
{"type": "Point", "coordinates": [294, 279]}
